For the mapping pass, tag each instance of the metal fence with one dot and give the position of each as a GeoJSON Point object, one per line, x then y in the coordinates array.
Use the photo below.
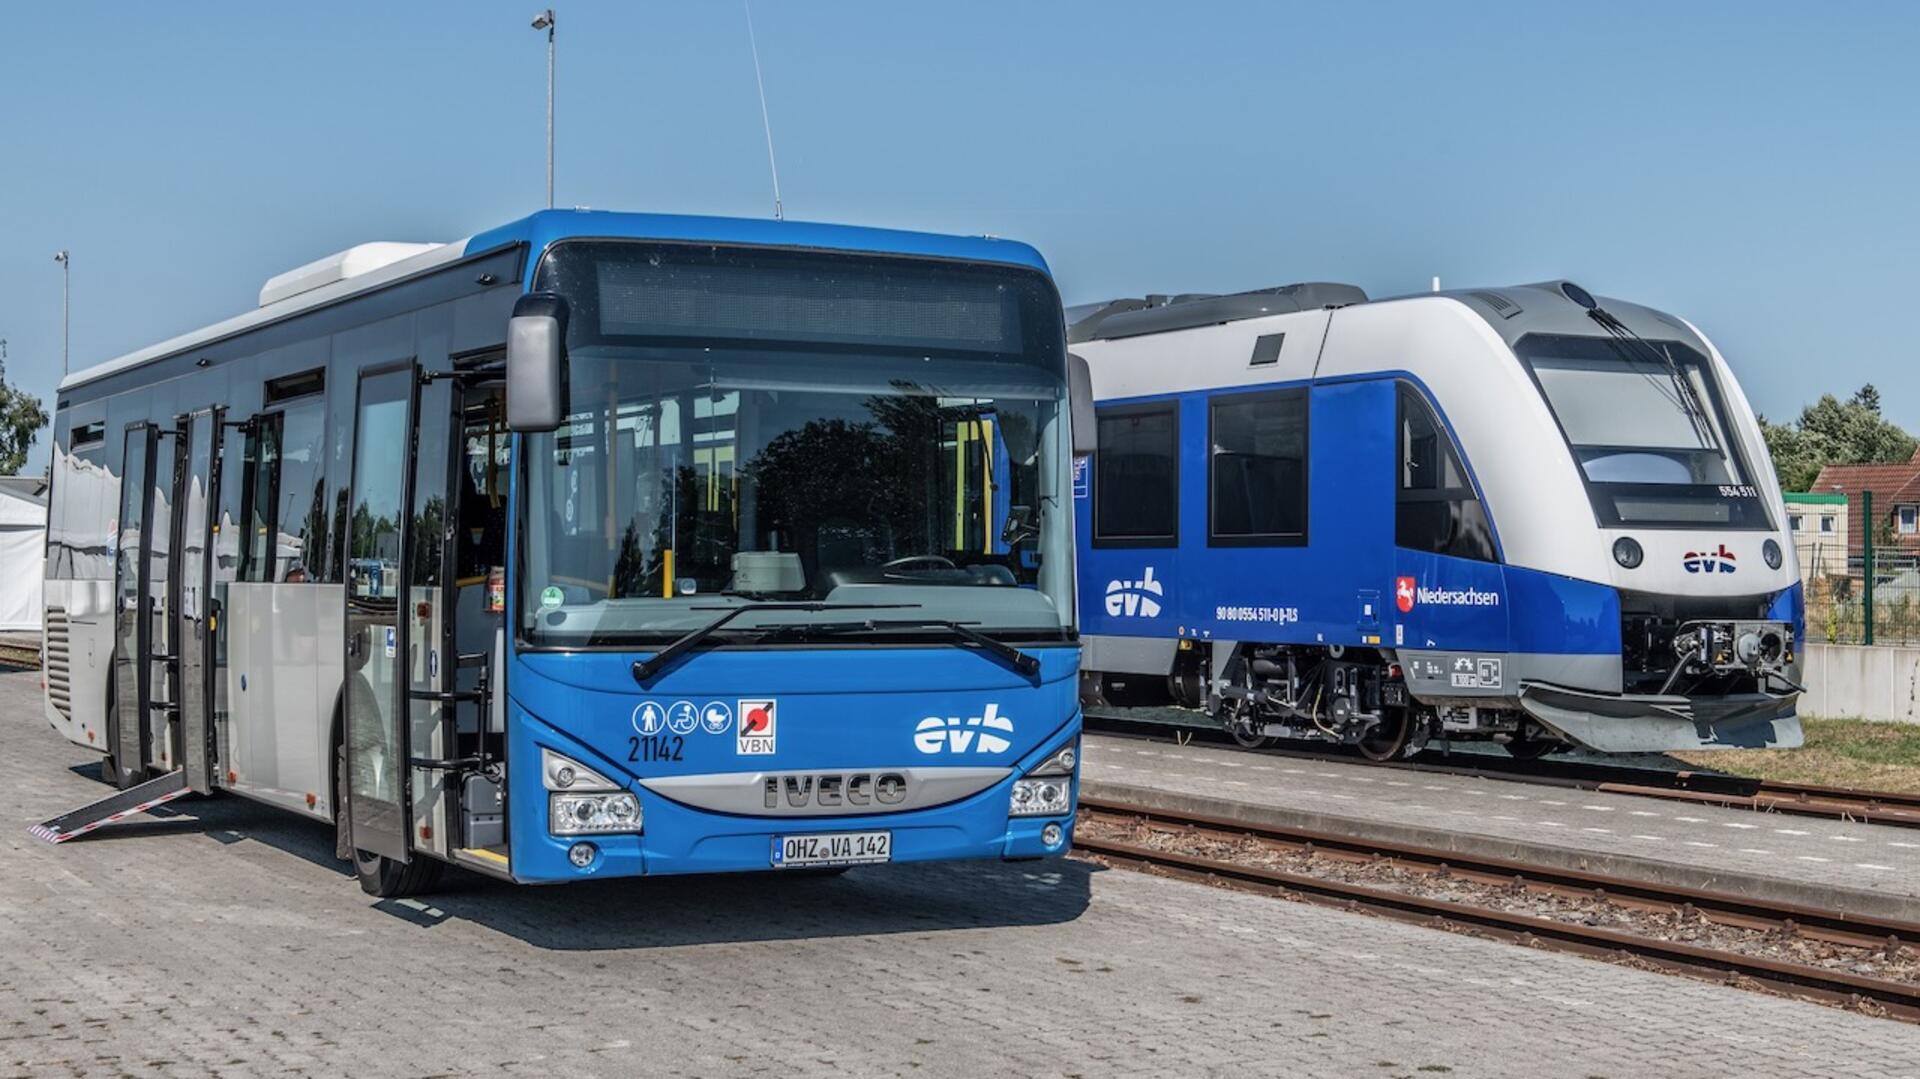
{"type": "Point", "coordinates": [1862, 583]}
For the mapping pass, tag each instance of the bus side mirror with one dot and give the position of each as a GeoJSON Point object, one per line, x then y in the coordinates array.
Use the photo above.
{"type": "Point", "coordinates": [536, 363]}
{"type": "Point", "coordinates": [1080, 405]}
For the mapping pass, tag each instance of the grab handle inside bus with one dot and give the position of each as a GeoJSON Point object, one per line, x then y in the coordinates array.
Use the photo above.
{"type": "Point", "coordinates": [536, 362]}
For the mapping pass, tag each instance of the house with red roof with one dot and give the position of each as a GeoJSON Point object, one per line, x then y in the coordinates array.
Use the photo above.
{"type": "Point", "coordinates": [1896, 505]}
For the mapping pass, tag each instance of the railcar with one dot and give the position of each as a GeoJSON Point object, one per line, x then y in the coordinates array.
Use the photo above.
{"type": "Point", "coordinates": [1524, 515]}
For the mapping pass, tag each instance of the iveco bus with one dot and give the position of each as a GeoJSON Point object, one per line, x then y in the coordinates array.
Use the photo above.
{"type": "Point", "coordinates": [594, 545]}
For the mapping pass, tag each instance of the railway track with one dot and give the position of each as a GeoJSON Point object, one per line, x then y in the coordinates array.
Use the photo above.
{"type": "Point", "coordinates": [1775, 922]}
{"type": "Point", "coordinates": [1892, 808]}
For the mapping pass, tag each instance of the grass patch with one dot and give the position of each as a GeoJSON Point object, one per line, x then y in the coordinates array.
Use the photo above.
{"type": "Point", "coordinates": [1838, 753]}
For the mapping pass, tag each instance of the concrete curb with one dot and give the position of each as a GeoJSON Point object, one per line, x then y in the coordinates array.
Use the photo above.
{"type": "Point", "coordinates": [1626, 867]}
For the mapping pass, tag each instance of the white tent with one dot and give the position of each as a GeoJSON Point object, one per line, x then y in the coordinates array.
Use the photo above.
{"type": "Point", "coordinates": [23, 540]}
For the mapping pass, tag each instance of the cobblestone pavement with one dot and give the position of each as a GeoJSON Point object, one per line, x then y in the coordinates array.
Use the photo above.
{"type": "Point", "coordinates": [224, 940]}
{"type": "Point", "coordinates": [1840, 853]}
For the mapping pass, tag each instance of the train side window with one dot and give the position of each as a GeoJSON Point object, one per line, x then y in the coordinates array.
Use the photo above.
{"type": "Point", "coordinates": [1136, 482]}
{"type": "Point", "coordinates": [1257, 469]}
{"type": "Point", "coordinates": [1436, 507]}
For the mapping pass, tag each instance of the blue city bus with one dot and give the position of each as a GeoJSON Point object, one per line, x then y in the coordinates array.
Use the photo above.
{"type": "Point", "coordinates": [594, 545]}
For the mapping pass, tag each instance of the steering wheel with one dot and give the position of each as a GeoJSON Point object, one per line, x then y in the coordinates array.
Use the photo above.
{"type": "Point", "coordinates": [934, 560]}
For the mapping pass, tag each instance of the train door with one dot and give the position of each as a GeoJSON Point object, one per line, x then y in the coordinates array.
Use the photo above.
{"type": "Point", "coordinates": [376, 720]}
{"type": "Point", "coordinates": [193, 620]}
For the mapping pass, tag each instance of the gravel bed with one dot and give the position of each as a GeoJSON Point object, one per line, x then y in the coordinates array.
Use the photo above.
{"type": "Point", "coordinates": [1685, 926]}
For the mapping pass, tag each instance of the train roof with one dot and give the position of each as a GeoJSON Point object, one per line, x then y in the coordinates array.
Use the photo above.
{"type": "Point", "coordinates": [368, 267]}
{"type": "Point", "coordinates": [1513, 310]}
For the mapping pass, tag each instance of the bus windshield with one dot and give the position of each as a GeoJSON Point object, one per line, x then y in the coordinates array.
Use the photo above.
{"type": "Point", "coordinates": [748, 425]}
{"type": "Point", "coordinates": [1648, 429]}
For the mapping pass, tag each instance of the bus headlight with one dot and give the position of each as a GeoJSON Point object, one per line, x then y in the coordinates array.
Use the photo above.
{"type": "Point", "coordinates": [1047, 790]}
{"type": "Point", "coordinates": [1040, 797]}
{"type": "Point", "coordinates": [592, 814]}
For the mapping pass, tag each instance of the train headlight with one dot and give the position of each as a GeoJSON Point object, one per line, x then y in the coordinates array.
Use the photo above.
{"type": "Point", "coordinates": [1770, 551]}
{"type": "Point", "coordinates": [1627, 552]}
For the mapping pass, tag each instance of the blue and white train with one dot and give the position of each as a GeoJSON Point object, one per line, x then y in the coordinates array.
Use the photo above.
{"type": "Point", "coordinates": [1523, 515]}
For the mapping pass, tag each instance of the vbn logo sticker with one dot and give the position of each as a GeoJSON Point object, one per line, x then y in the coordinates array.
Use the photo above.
{"type": "Point", "coordinates": [934, 734]}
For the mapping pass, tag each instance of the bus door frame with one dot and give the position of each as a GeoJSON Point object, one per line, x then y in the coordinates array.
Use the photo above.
{"type": "Point", "coordinates": [388, 829]}
{"type": "Point", "coordinates": [192, 664]}
{"type": "Point", "coordinates": [129, 722]}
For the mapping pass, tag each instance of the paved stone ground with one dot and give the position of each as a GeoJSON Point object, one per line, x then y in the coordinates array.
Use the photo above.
{"type": "Point", "coordinates": [1845, 854]}
{"type": "Point", "coordinates": [224, 940]}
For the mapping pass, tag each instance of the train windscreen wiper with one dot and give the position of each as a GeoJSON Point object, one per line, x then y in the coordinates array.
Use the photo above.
{"type": "Point", "coordinates": [1685, 398]}
{"type": "Point", "coordinates": [646, 670]}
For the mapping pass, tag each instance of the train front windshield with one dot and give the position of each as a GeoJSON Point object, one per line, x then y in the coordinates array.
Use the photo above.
{"type": "Point", "coordinates": [758, 426]}
{"type": "Point", "coordinates": [1648, 427]}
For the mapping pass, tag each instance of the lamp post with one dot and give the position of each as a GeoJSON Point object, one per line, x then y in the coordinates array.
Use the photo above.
{"type": "Point", "coordinates": [544, 21]}
{"type": "Point", "coordinates": [66, 306]}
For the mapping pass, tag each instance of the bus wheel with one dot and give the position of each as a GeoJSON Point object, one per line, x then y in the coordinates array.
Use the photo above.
{"type": "Point", "coordinates": [1388, 737]}
{"type": "Point", "coordinates": [388, 879]}
{"type": "Point", "coordinates": [378, 874]}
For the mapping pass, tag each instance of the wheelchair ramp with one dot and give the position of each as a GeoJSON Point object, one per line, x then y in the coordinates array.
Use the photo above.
{"type": "Point", "coordinates": [117, 806]}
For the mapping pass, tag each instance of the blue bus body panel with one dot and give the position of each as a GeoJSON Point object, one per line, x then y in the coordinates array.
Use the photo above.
{"type": "Point", "coordinates": [843, 709]}
{"type": "Point", "coordinates": [540, 229]}
{"type": "Point", "coordinates": [840, 709]}
{"type": "Point", "coordinates": [1348, 584]}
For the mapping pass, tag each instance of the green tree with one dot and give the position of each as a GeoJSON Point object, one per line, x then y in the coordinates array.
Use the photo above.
{"type": "Point", "coordinates": [1834, 432]}
{"type": "Point", "coordinates": [21, 417]}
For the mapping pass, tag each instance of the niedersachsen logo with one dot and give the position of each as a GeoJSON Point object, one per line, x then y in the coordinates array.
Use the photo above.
{"type": "Point", "coordinates": [1457, 597]}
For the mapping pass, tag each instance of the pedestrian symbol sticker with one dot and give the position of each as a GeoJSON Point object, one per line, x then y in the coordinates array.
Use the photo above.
{"type": "Point", "coordinates": [649, 718]}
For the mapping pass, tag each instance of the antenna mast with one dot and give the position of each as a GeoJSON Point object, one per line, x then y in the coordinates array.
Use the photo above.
{"type": "Point", "coordinates": [766, 124]}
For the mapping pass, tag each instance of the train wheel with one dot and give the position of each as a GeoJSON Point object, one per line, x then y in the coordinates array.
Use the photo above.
{"type": "Point", "coordinates": [1245, 733]}
{"type": "Point", "coordinates": [1388, 737]}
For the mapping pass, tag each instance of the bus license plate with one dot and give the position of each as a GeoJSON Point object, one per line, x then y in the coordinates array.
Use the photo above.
{"type": "Point", "coordinates": [831, 848]}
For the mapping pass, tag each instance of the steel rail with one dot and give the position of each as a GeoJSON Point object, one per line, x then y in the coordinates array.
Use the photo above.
{"type": "Point", "coordinates": [1899, 999]}
{"type": "Point", "coordinates": [1892, 808]}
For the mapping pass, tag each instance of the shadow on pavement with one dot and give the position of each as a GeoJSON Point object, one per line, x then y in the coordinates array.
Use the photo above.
{"type": "Point", "coordinates": [670, 911]}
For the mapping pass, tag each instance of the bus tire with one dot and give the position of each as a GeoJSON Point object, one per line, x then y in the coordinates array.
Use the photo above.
{"type": "Point", "coordinates": [388, 879]}
{"type": "Point", "coordinates": [378, 875]}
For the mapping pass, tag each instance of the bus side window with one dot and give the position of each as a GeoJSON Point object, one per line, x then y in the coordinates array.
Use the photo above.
{"type": "Point", "coordinates": [261, 474]}
{"type": "Point", "coordinates": [285, 498]}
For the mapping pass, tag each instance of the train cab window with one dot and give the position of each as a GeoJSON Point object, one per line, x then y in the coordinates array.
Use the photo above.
{"type": "Point", "coordinates": [1257, 469]}
{"type": "Point", "coordinates": [1436, 508]}
{"type": "Point", "coordinates": [1136, 483]}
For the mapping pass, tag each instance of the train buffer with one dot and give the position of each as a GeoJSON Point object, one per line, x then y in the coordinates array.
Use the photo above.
{"type": "Point", "coordinates": [119, 805]}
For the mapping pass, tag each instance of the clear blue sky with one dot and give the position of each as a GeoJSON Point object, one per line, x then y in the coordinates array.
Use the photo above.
{"type": "Point", "coordinates": [1752, 167]}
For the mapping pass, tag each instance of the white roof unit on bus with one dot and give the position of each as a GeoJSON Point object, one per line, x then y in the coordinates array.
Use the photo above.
{"type": "Point", "coordinates": [354, 261]}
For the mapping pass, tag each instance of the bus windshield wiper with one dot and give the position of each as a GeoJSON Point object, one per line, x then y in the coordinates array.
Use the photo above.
{"type": "Point", "coordinates": [1022, 662]}
{"type": "Point", "coordinates": [646, 670]}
